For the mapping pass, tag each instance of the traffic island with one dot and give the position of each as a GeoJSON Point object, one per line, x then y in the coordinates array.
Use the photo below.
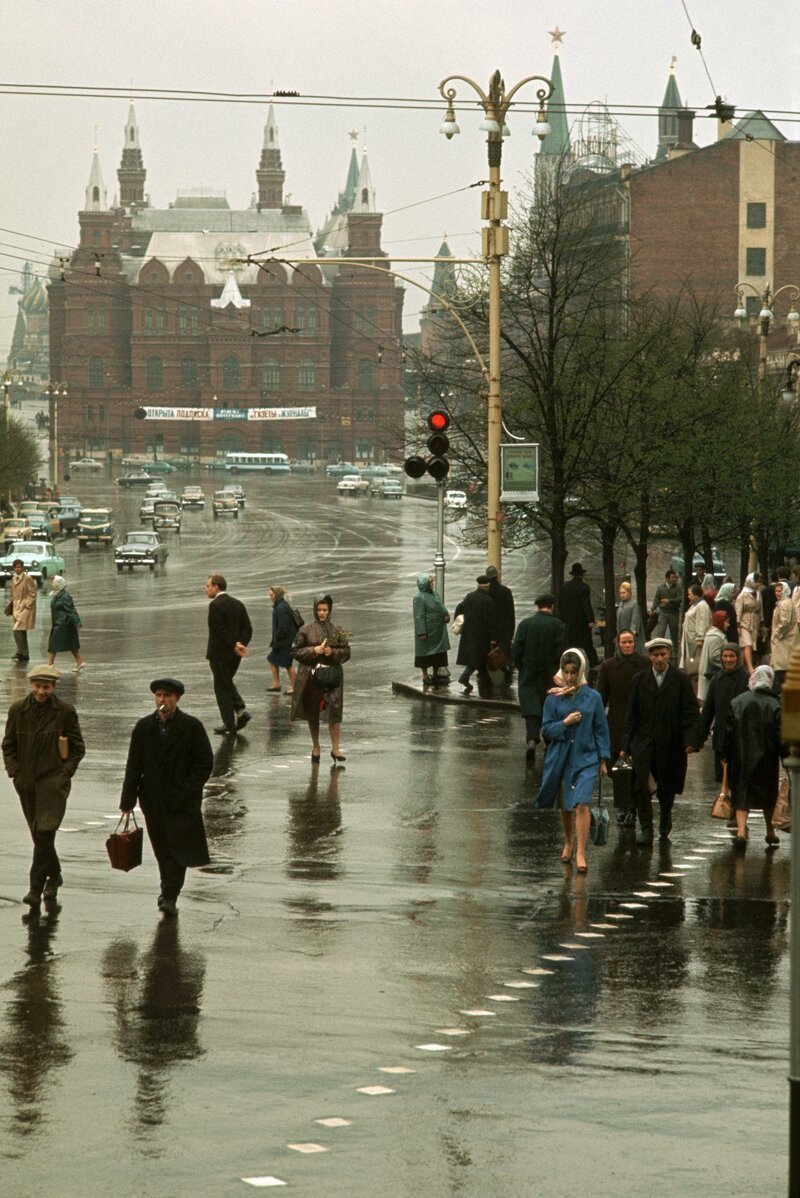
{"type": "Point", "coordinates": [449, 694]}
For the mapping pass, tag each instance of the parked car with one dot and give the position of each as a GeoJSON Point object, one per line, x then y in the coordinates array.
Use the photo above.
{"type": "Point", "coordinates": [43, 528]}
{"type": "Point", "coordinates": [27, 506]}
{"type": "Point", "coordinates": [386, 488]}
{"type": "Point", "coordinates": [69, 510]}
{"type": "Point", "coordinates": [140, 549]}
{"type": "Point", "coordinates": [160, 467]}
{"type": "Point", "coordinates": [373, 471]}
{"type": "Point", "coordinates": [147, 507]}
{"type": "Point", "coordinates": [136, 478]}
{"type": "Point", "coordinates": [166, 516]}
{"type": "Point", "coordinates": [16, 528]}
{"type": "Point", "coordinates": [352, 485]}
{"type": "Point", "coordinates": [225, 504]}
{"type": "Point", "coordinates": [340, 469]}
{"type": "Point", "coordinates": [96, 526]}
{"type": "Point", "coordinates": [86, 464]}
{"type": "Point", "coordinates": [193, 497]}
{"type": "Point", "coordinates": [38, 557]}
{"type": "Point", "coordinates": [237, 490]}
{"type": "Point", "coordinates": [455, 499]}
{"type": "Point", "coordinates": [719, 571]}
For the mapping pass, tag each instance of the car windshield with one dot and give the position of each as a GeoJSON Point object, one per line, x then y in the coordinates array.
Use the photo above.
{"type": "Point", "coordinates": [140, 538]}
{"type": "Point", "coordinates": [91, 518]}
{"type": "Point", "coordinates": [34, 548]}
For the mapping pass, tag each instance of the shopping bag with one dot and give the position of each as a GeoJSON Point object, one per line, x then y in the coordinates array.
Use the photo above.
{"type": "Point", "coordinates": [721, 807]}
{"type": "Point", "coordinates": [782, 812]}
{"type": "Point", "coordinates": [600, 820]}
{"type": "Point", "coordinates": [125, 848]}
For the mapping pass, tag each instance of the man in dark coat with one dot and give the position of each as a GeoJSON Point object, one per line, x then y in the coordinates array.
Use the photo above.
{"type": "Point", "coordinates": [505, 620]}
{"type": "Point", "coordinates": [229, 634]}
{"type": "Point", "coordinates": [575, 609]}
{"type": "Point", "coordinates": [661, 728]}
{"type": "Point", "coordinates": [538, 644]}
{"type": "Point", "coordinates": [169, 761]}
{"type": "Point", "coordinates": [42, 748]}
{"type": "Point", "coordinates": [477, 634]}
{"type": "Point", "coordinates": [725, 685]}
{"type": "Point", "coordinates": [614, 681]}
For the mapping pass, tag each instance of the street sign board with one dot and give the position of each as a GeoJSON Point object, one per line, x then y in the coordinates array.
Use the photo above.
{"type": "Point", "coordinates": [519, 473]}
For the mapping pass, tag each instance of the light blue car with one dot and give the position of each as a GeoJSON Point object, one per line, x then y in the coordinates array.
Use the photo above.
{"type": "Point", "coordinates": [38, 557]}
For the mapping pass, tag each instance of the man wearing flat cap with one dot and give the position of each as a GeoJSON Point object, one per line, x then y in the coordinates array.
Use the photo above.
{"type": "Point", "coordinates": [576, 610]}
{"type": "Point", "coordinates": [478, 634]}
{"type": "Point", "coordinates": [661, 728]}
{"type": "Point", "coordinates": [169, 761]}
{"type": "Point", "coordinates": [42, 748]}
{"type": "Point", "coordinates": [538, 644]}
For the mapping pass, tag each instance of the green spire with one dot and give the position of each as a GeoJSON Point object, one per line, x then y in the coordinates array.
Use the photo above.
{"type": "Point", "coordinates": [348, 196]}
{"type": "Point", "coordinates": [668, 115]}
{"type": "Point", "coordinates": [557, 141]}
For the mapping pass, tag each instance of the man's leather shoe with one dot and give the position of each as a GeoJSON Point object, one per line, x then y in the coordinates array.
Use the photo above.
{"type": "Point", "coordinates": [51, 887]}
{"type": "Point", "coordinates": [223, 731]}
{"type": "Point", "coordinates": [644, 836]}
{"type": "Point", "coordinates": [33, 898]}
{"type": "Point", "coordinates": [243, 719]}
{"type": "Point", "coordinates": [167, 906]}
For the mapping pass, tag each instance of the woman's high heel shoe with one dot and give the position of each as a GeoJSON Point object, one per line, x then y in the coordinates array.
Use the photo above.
{"type": "Point", "coordinates": [338, 756]}
{"type": "Point", "coordinates": [315, 758]}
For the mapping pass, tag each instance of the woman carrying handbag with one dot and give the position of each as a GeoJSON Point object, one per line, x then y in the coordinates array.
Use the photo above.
{"type": "Point", "coordinates": [321, 648]}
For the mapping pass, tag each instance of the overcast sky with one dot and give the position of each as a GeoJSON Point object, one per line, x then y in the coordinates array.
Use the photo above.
{"type": "Point", "coordinates": [618, 51]}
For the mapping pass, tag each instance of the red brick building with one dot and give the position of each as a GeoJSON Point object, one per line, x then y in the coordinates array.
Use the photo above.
{"type": "Point", "coordinates": [155, 308]}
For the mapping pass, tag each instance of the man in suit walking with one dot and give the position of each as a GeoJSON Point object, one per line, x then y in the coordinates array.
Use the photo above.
{"type": "Point", "coordinates": [539, 642]}
{"type": "Point", "coordinates": [575, 609]}
{"type": "Point", "coordinates": [169, 761]}
{"type": "Point", "coordinates": [229, 634]}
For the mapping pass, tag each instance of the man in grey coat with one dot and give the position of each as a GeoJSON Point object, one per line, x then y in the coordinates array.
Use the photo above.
{"type": "Point", "coordinates": [42, 748]}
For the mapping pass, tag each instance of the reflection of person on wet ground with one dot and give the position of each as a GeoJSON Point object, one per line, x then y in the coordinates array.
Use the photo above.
{"type": "Point", "coordinates": [156, 999]}
{"type": "Point", "coordinates": [315, 819]}
{"type": "Point", "coordinates": [169, 761]}
{"type": "Point", "coordinates": [752, 751]}
{"type": "Point", "coordinates": [574, 725]}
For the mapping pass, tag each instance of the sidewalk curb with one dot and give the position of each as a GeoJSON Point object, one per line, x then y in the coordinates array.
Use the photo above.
{"type": "Point", "coordinates": [435, 695]}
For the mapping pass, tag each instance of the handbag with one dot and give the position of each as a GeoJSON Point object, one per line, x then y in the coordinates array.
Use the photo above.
{"type": "Point", "coordinates": [9, 608]}
{"type": "Point", "coordinates": [457, 625]}
{"type": "Point", "coordinates": [327, 677]}
{"type": "Point", "coordinates": [782, 811]}
{"type": "Point", "coordinates": [599, 820]}
{"type": "Point", "coordinates": [650, 623]}
{"type": "Point", "coordinates": [297, 619]}
{"type": "Point", "coordinates": [496, 659]}
{"type": "Point", "coordinates": [721, 807]}
{"type": "Point", "coordinates": [622, 785]}
{"type": "Point", "coordinates": [125, 848]}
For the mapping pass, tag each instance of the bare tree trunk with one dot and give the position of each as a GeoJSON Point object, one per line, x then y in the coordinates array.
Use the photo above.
{"type": "Point", "coordinates": [558, 552]}
{"type": "Point", "coordinates": [608, 536]}
{"type": "Point", "coordinates": [708, 552]}
{"type": "Point", "coordinates": [744, 552]}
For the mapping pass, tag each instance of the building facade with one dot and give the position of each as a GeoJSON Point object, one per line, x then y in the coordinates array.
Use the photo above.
{"type": "Point", "coordinates": [201, 306]}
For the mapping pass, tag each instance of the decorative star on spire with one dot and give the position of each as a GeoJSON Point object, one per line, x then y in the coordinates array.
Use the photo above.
{"type": "Point", "coordinates": [556, 35]}
{"type": "Point", "coordinates": [353, 135]}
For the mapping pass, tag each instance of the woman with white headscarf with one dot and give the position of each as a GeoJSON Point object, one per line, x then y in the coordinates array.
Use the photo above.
{"type": "Point", "coordinates": [784, 629]}
{"type": "Point", "coordinates": [575, 728]}
{"type": "Point", "coordinates": [66, 622]}
{"type": "Point", "coordinates": [752, 751]}
{"type": "Point", "coordinates": [750, 618]}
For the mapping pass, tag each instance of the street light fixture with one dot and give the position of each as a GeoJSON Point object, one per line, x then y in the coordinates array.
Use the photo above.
{"type": "Point", "coordinates": [495, 102]}
{"type": "Point", "coordinates": [55, 391]}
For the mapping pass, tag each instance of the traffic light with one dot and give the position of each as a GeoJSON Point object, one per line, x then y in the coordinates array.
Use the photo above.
{"type": "Point", "coordinates": [437, 465]}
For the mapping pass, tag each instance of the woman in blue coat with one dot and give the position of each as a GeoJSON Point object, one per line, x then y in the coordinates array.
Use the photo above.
{"type": "Point", "coordinates": [574, 725]}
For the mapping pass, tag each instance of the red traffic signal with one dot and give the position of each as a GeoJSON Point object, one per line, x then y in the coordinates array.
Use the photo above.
{"type": "Point", "coordinates": [439, 421]}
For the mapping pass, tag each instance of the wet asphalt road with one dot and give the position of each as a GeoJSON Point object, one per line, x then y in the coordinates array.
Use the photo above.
{"type": "Point", "coordinates": [351, 918]}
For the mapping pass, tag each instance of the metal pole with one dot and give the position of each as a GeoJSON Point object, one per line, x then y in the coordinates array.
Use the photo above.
{"type": "Point", "coordinates": [494, 410]}
{"type": "Point", "coordinates": [51, 405]}
{"type": "Point", "coordinates": [439, 565]}
{"type": "Point", "coordinates": [792, 764]}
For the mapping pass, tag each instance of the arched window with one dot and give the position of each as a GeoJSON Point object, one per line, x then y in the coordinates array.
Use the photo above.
{"type": "Point", "coordinates": [311, 320]}
{"type": "Point", "coordinates": [230, 443]}
{"type": "Point", "coordinates": [188, 373]}
{"type": "Point", "coordinates": [97, 372]}
{"type": "Point", "coordinates": [270, 443]}
{"type": "Point", "coordinates": [96, 195]}
{"type": "Point", "coordinates": [365, 374]}
{"type": "Point", "coordinates": [154, 374]}
{"type": "Point", "coordinates": [266, 326]}
{"type": "Point", "coordinates": [306, 375]}
{"type": "Point", "coordinates": [300, 317]}
{"type": "Point", "coordinates": [272, 375]}
{"type": "Point", "coordinates": [230, 372]}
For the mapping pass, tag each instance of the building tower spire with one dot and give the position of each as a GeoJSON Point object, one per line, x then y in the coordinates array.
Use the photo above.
{"type": "Point", "coordinates": [131, 172]}
{"type": "Point", "coordinates": [96, 200]}
{"type": "Point", "coordinates": [668, 115]}
{"type": "Point", "coordinates": [270, 174]}
{"type": "Point", "coordinates": [365, 193]}
{"type": "Point", "coordinates": [556, 144]}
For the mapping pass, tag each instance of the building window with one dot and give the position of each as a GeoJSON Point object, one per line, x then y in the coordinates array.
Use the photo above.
{"type": "Point", "coordinates": [311, 321]}
{"type": "Point", "coordinates": [306, 380]}
{"type": "Point", "coordinates": [188, 373]}
{"type": "Point", "coordinates": [154, 374]}
{"type": "Point", "coordinates": [90, 319]}
{"type": "Point", "coordinates": [230, 372]}
{"type": "Point", "coordinates": [756, 262]}
{"type": "Point", "coordinates": [277, 316]}
{"type": "Point", "coordinates": [266, 326]}
{"type": "Point", "coordinates": [101, 320]}
{"type": "Point", "coordinates": [370, 414]}
{"type": "Point", "coordinates": [365, 450]}
{"type": "Point", "coordinates": [160, 319]}
{"type": "Point", "coordinates": [97, 374]}
{"type": "Point", "coordinates": [272, 375]}
{"type": "Point", "coordinates": [365, 319]}
{"type": "Point", "coordinates": [190, 438]}
{"type": "Point", "coordinates": [90, 413]}
{"type": "Point", "coordinates": [195, 315]}
{"type": "Point", "coordinates": [358, 415]}
{"type": "Point", "coordinates": [148, 320]}
{"type": "Point", "coordinates": [153, 276]}
{"type": "Point", "coordinates": [230, 443]}
{"type": "Point", "coordinates": [188, 277]}
{"type": "Point", "coordinates": [183, 318]}
{"type": "Point", "coordinates": [752, 305]}
{"type": "Point", "coordinates": [365, 375]}
{"type": "Point", "coordinates": [270, 443]}
{"type": "Point", "coordinates": [95, 195]}
{"type": "Point", "coordinates": [101, 412]}
{"type": "Point", "coordinates": [756, 216]}
{"type": "Point", "coordinates": [300, 318]}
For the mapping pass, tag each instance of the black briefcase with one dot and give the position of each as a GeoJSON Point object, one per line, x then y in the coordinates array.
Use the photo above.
{"type": "Point", "coordinates": [622, 785]}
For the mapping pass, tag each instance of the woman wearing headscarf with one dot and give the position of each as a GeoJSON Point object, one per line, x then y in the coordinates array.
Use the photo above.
{"type": "Point", "coordinates": [784, 631]}
{"type": "Point", "coordinates": [629, 617]}
{"type": "Point", "coordinates": [729, 682]}
{"type": "Point", "coordinates": [575, 727]}
{"type": "Point", "coordinates": [65, 624]}
{"type": "Point", "coordinates": [280, 647]}
{"type": "Point", "coordinates": [710, 654]}
{"type": "Point", "coordinates": [431, 641]}
{"type": "Point", "coordinates": [724, 602]}
{"type": "Point", "coordinates": [750, 617]}
{"type": "Point", "coordinates": [752, 751]}
{"type": "Point", "coordinates": [317, 644]}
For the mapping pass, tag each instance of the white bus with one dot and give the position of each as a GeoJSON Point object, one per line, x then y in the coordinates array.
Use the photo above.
{"type": "Point", "coordinates": [266, 463]}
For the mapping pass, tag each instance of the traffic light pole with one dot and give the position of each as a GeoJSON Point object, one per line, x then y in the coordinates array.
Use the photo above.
{"type": "Point", "coordinates": [439, 564]}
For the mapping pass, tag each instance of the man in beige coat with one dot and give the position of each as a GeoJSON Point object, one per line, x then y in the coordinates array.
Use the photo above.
{"type": "Point", "coordinates": [23, 608]}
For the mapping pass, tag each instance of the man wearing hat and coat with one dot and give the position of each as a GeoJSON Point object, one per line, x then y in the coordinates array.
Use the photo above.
{"type": "Point", "coordinates": [575, 609]}
{"type": "Point", "coordinates": [477, 634]}
{"type": "Point", "coordinates": [42, 748]}
{"type": "Point", "coordinates": [169, 761]}
{"type": "Point", "coordinates": [539, 642]}
{"type": "Point", "coordinates": [505, 619]}
{"type": "Point", "coordinates": [661, 728]}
